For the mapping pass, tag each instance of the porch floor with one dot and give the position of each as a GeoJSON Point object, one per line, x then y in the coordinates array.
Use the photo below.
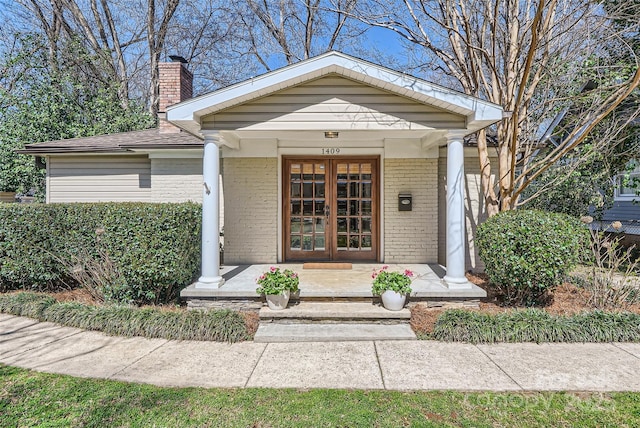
{"type": "Point", "coordinates": [240, 282]}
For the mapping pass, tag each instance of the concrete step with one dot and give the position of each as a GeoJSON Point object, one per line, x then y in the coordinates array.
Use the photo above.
{"type": "Point", "coordinates": [276, 332]}
{"type": "Point", "coordinates": [305, 311]}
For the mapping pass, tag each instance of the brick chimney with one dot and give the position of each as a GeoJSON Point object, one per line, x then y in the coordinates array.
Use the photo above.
{"type": "Point", "coordinates": [175, 85]}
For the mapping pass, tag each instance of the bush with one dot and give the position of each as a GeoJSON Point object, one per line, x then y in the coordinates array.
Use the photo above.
{"type": "Point", "coordinates": [217, 325]}
{"type": "Point", "coordinates": [528, 252]}
{"type": "Point", "coordinates": [535, 325]}
{"type": "Point", "coordinates": [154, 248]}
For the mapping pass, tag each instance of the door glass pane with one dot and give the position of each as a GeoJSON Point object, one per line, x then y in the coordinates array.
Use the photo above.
{"type": "Point", "coordinates": [320, 171]}
{"type": "Point", "coordinates": [342, 225]}
{"type": "Point", "coordinates": [319, 245]}
{"type": "Point", "coordinates": [319, 225]}
{"type": "Point", "coordinates": [307, 243]}
{"type": "Point", "coordinates": [295, 224]}
{"type": "Point", "coordinates": [307, 208]}
{"type": "Point", "coordinates": [307, 190]}
{"type": "Point", "coordinates": [366, 243]}
{"type": "Point", "coordinates": [354, 189]}
{"type": "Point", "coordinates": [295, 190]}
{"type": "Point", "coordinates": [307, 225]}
{"type": "Point", "coordinates": [353, 208]}
{"type": "Point", "coordinates": [342, 190]}
{"type": "Point", "coordinates": [366, 190]}
{"type": "Point", "coordinates": [342, 242]}
{"type": "Point", "coordinates": [354, 242]}
{"type": "Point", "coordinates": [366, 207]}
{"type": "Point", "coordinates": [295, 242]}
{"type": "Point", "coordinates": [342, 207]}
{"type": "Point", "coordinates": [319, 208]}
{"type": "Point", "coordinates": [319, 190]}
{"type": "Point", "coordinates": [366, 224]}
{"type": "Point", "coordinates": [296, 208]}
{"type": "Point", "coordinates": [354, 225]}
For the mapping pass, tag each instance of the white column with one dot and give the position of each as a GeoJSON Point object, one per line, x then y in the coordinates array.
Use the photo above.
{"type": "Point", "coordinates": [210, 212]}
{"type": "Point", "coordinates": [456, 235]}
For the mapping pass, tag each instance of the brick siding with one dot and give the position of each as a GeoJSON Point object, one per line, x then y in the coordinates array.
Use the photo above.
{"type": "Point", "coordinates": [411, 236]}
{"type": "Point", "coordinates": [251, 210]}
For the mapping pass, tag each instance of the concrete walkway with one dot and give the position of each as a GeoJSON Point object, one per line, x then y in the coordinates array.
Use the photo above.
{"type": "Point", "coordinates": [393, 365]}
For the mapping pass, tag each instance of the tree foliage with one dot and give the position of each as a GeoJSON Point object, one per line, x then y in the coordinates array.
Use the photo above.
{"type": "Point", "coordinates": [530, 57]}
{"type": "Point", "coordinates": [51, 104]}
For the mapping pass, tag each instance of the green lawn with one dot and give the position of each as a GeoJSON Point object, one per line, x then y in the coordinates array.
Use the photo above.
{"type": "Point", "coordinates": [43, 400]}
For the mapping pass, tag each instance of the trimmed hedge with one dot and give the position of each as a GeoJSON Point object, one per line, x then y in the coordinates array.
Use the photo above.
{"type": "Point", "coordinates": [527, 252]}
{"type": "Point", "coordinates": [535, 325]}
{"type": "Point", "coordinates": [219, 325]}
{"type": "Point", "coordinates": [155, 247]}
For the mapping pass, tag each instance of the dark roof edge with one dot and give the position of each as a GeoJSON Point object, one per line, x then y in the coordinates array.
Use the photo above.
{"type": "Point", "coordinates": [56, 150]}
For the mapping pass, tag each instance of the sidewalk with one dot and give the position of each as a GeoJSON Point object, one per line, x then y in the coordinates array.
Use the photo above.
{"type": "Point", "coordinates": [393, 365]}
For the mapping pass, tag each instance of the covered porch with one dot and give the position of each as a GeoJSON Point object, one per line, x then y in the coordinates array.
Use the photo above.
{"type": "Point", "coordinates": [239, 287]}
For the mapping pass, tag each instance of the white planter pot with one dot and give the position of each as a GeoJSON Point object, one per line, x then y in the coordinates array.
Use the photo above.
{"type": "Point", "coordinates": [278, 302]}
{"type": "Point", "coordinates": [393, 301]}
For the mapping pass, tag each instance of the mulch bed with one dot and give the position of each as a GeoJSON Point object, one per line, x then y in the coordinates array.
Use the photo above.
{"type": "Point", "coordinates": [567, 299]}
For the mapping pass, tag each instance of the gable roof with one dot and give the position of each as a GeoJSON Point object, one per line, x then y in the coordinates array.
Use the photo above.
{"type": "Point", "coordinates": [479, 114]}
{"type": "Point", "coordinates": [118, 142]}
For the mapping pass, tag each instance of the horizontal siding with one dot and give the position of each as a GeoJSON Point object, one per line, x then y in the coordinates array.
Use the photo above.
{"type": "Point", "coordinates": [99, 179]}
{"type": "Point", "coordinates": [623, 211]}
{"type": "Point", "coordinates": [336, 103]}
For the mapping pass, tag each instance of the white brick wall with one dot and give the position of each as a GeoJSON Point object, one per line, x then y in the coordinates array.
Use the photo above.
{"type": "Point", "coordinates": [251, 210]}
{"type": "Point", "coordinates": [411, 236]}
{"type": "Point", "coordinates": [176, 180]}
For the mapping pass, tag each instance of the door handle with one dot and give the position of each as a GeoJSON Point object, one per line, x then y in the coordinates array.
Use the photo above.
{"type": "Point", "coordinates": [326, 210]}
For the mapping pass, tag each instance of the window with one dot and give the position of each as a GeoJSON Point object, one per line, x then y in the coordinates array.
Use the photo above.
{"type": "Point", "coordinates": [628, 185]}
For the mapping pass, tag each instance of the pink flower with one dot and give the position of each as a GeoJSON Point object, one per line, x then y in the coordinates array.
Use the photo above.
{"type": "Point", "coordinates": [261, 276]}
{"type": "Point", "coordinates": [408, 273]}
{"type": "Point", "coordinates": [385, 267]}
{"type": "Point", "coordinates": [373, 275]}
{"type": "Point", "coordinates": [273, 268]}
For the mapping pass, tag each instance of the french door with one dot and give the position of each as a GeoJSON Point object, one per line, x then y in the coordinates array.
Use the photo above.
{"type": "Point", "coordinates": [330, 209]}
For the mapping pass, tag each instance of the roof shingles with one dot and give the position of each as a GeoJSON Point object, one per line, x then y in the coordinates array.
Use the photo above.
{"type": "Point", "coordinates": [119, 142]}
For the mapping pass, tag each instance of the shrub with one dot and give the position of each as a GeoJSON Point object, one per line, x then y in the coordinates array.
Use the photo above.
{"type": "Point", "coordinates": [536, 325]}
{"type": "Point", "coordinates": [154, 248]}
{"type": "Point", "coordinates": [528, 252]}
{"type": "Point", "coordinates": [217, 325]}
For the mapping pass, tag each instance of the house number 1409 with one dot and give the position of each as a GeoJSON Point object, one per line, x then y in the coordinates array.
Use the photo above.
{"type": "Point", "coordinates": [331, 151]}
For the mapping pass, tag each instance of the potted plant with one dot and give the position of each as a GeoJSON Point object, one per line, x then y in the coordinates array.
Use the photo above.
{"type": "Point", "coordinates": [392, 287]}
{"type": "Point", "coordinates": [277, 286]}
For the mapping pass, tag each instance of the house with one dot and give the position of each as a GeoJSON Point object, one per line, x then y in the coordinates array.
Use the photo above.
{"type": "Point", "coordinates": [625, 209]}
{"type": "Point", "coordinates": [330, 159]}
